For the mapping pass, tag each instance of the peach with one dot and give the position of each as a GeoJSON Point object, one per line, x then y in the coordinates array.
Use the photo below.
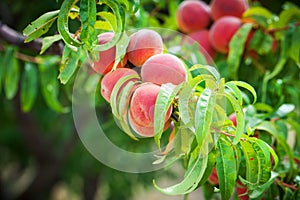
{"type": "Point", "coordinates": [222, 31]}
{"type": "Point", "coordinates": [141, 111]}
{"type": "Point", "coordinates": [202, 38]}
{"type": "Point", "coordinates": [142, 45]}
{"type": "Point", "coordinates": [221, 8]}
{"type": "Point", "coordinates": [192, 16]}
{"type": "Point", "coordinates": [213, 178]}
{"type": "Point", "coordinates": [232, 118]}
{"type": "Point", "coordinates": [109, 81]}
{"type": "Point", "coordinates": [164, 68]}
{"type": "Point", "coordinates": [107, 58]}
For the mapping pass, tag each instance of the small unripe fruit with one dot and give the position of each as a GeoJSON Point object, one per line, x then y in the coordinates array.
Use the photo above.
{"type": "Point", "coordinates": [193, 16]}
{"type": "Point", "coordinates": [109, 81]}
{"type": "Point", "coordinates": [142, 45]}
{"type": "Point", "coordinates": [107, 58]}
{"type": "Point", "coordinates": [221, 8]}
{"type": "Point", "coordinates": [232, 118]}
{"type": "Point", "coordinates": [222, 31]}
{"type": "Point", "coordinates": [164, 68]}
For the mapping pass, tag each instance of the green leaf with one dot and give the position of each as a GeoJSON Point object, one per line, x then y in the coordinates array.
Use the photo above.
{"type": "Point", "coordinates": [226, 168]}
{"type": "Point", "coordinates": [183, 140]}
{"type": "Point", "coordinates": [63, 26]}
{"type": "Point", "coordinates": [247, 87]}
{"type": "Point", "coordinates": [262, 150]}
{"type": "Point", "coordinates": [295, 46]}
{"type": "Point", "coordinates": [236, 49]}
{"type": "Point", "coordinates": [123, 103]}
{"type": "Point", "coordinates": [88, 19]}
{"type": "Point", "coordinates": [115, 93]}
{"type": "Point", "coordinates": [109, 18]}
{"type": "Point", "coordinates": [49, 83]}
{"type": "Point", "coordinates": [103, 25]}
{"type": "Point", "coordinates": [163, 101]}
{"type": "Point", "coordinates": [40, 26]}
{"type": "Point", "coordinates": [192, 176]}
{"type": "Point", "coordinates": [120, 15]}
{"type": "Point", "coordinates": [212, 70]}
{"type": "Point", "coordinates": [264, 187]}
{"type": "Point", "coordinates": [121, 49]}
{"type": "Point", "coordinates": [239, 117]}
{"type": "Point", "coordinates": [69, 65]}
{"type": "Point", "coordinates": [252, 163]}
{"type": "Point", "coordinates": [12, 73]}
{"type": "Point", "coordinates": [235, 90]}
{"type": "Point", "coordinates": [29, 86]}
{"type": "Point", "coordinates": [2, 72]}
{"type": "Point", "coordinates": [48, 41]}
{"type": "Point", "coordinates": [258, 11]}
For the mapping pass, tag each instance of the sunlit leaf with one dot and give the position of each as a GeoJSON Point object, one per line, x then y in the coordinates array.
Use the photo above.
{"type": "Point", "coordinates": [295, 46]}
{"type": "Point", "coordinates": [40, 26]}
{"type": "Point", "coordinates": [88, 20]}
{"type": "Point", "coordinates": [226, 168]}
{"type": "Point", "coordinates": [48, 41]}
{"type": "Point", "coordinates": [69, 66]}
{"type": "Point", "coordinates": [204, 114]}
{"type": "Point", "coordinates": [63, 26]}
{"type": "Point", "coordinates": [247, 87]}
{"type": "Point", "coordinates": [191, 179]}
{"type": "Point", "coordinates": [163, 101]}
{"type": "Point", "coordinates": [235, 47]}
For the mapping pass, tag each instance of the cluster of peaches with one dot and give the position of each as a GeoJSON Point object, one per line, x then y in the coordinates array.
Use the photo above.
{"type": "Point", "coordinates": [212, 26]}
{"type": "Point", "coordinates": [144, 58]}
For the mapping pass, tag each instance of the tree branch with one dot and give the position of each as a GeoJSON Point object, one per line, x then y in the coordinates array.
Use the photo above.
{"type": "Point", "coordinates": [13, 37]}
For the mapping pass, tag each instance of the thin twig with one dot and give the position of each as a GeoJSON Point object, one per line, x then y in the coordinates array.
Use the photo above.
{"type": "Point", "coordinates": [278, 182]}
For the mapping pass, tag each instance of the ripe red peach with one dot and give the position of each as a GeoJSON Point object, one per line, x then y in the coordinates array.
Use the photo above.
{"type": "Point", "coordinates": [107, 58]}
{"type": "Point", "coordinates": [142, 45]}
{"type": "Point", "coordinates": [164, 68]}
{"type": "Point", "coordinates": [213, 178]}
{"type": "Point", "coordinates": [192, 16]}
{"type": "Point", "coordinates": [232, 118]}
{"type": "Point", "coordinates": [241, 191]}
{"type": "Point", "coordinates": [202, 38]}
{"type": "Point", "coordinates": [141, 111]}
{"type": "Point", "coordinates": [222, 31]}
{"type": "Point", "coordinates": [221, 8]}
{"type": "Point", "coordinates": [109, 81]}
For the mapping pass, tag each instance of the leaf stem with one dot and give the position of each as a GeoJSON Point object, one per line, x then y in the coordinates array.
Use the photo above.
{"type": "Point", "coordinates": [273, 30]}
{"type": "Point", "coordinates": [281, 183]}
{"type": "Point", "coordinates": [226, 134]}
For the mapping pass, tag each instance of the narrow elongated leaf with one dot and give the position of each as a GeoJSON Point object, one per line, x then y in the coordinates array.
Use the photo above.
{"type": "Point", "coordinates": [49, 83]}
{"type": "Point", "coordinates": [212, 70]}
{"type": "Point", "coordinates": [121, 49]}
{"type": "Point", "coordinates": [239, 117]}
{"type": "Point", "coordinates": [123, 102]}
{"type": "Point", "coordinates": [12, 73]}
{"type": "Point", "coordinates": [183, 140]}
{"type": "Point", "coordinates": [29, 86]}
{"type": "Point", "coordinates": [247, 87]}
{"type": "Point", "coordinates": [103, 25]}
{"type": "Point", "coordinates": [204, 115]}
{"type": "Point", "coordinates": [120, 15]}
{"type": "Point", "coordinates": [226, 168]}
{"type": "Point", "coordinates": [40, 26]}
{"type": "Point", "coordinates": [2, 71]}
{"type": "Point", "coordinates": [69, 66]}
{"type": "Point", "coordinates": [164, 100]}
{"type": "Point", "coordinates": [295, 48]}
{"type": "Point", "coordinates": [115, 93]}
{"type": "Point", "coordinates": [235, 51]}
{"type": "Point", "coordinates": [264, 187]}
{"type": "Point", "coordinates": [262, 150]}
{"type": "Point", "coordinates": [109, 18]}
{"type": "Point", "coordinates": [191, 179]}
{"type": "Point", "coordinates": [88, 20]}
{"type": "Point", "coordinates": [253, 166]}
{"type": "Point", "coordinates": [258, 11]}
{"type": "Point", "coordinates": [48, 41]}
{"type": "Point", "coordinates": [235, 90]}
{"type": "Point", "coordinates": [63, 26]}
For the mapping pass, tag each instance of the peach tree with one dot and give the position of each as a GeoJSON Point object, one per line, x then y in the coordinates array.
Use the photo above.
{"type": "Point", "coordinates": [195, 96]}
